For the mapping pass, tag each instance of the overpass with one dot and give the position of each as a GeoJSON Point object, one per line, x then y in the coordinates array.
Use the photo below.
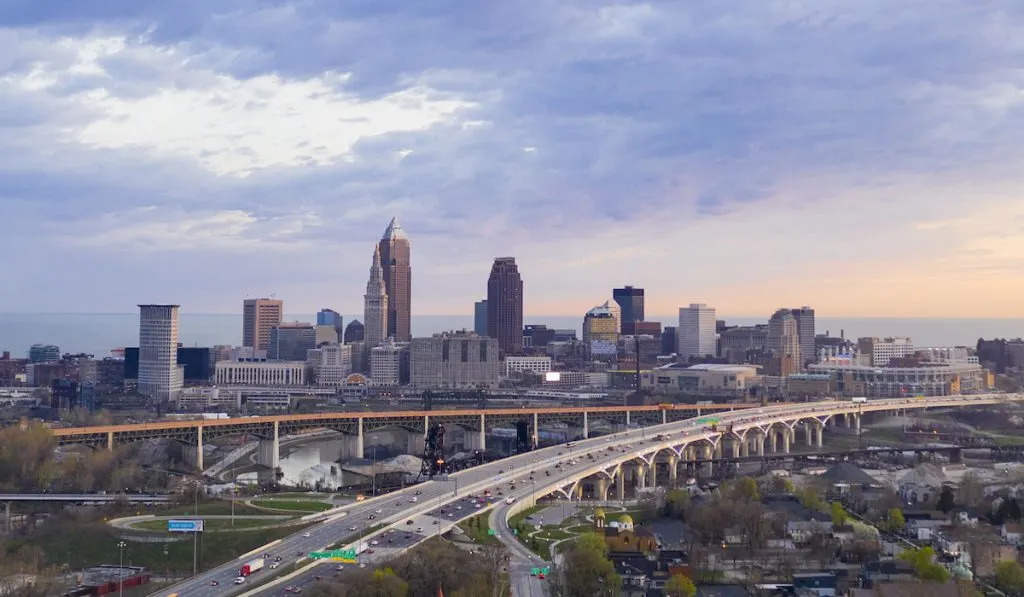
{"type": "Point", "coordinates": [355, 425]}
{"type": "Point", "coordinates": [607, 460]}
{"type": "Point", "coordinates": [84, 497]}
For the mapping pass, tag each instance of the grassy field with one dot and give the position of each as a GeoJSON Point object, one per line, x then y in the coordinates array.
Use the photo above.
{"type": "Point", "coordinates": [80, 545]}
{"type": "Point", "coordinates": [217, 508]}
{"type": "Point", "coordinates": [216, 524]}
{"type": "Point", "coordinates": [293, 505]}
{"type": "Point", "coordinates": [477, 531]}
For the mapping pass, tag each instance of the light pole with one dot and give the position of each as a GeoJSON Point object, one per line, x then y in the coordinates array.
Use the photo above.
{"type": "Point", "coordinates": [120, 568]}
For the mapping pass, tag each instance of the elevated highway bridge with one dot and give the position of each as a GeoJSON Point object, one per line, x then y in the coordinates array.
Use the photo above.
{"type": "Point", "coordinates": [626, 460]}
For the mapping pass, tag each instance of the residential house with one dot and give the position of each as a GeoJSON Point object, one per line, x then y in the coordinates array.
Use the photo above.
{"type": "Point", "coordinates": [1012, 532]}
{"type": "Point", "coordinates": [801, 531]}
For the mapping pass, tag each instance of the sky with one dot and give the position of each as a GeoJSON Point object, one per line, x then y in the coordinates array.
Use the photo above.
{"type": "Point", "coordinates": [864, 157]}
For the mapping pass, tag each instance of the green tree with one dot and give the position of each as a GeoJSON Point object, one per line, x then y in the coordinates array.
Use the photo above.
{"type": "Point", "coordinates": [839, 515]}
{"type": "Point", "coordinates": [676, 503]}
{"type": "Point", "coordinates": [811, 499]}
{"type": "Point", "coordinates": [745, 489]}
{"type": "Point", "coordinates": [893, 521]}
{"type": "Point", "coordinates": [680, 585]}
{"type": "Point", "coordinates": [586, 571]}
{"type": "Point", "coordinates": [923, 562]}
{"type": "Point", "coordinates": [1010, 577]}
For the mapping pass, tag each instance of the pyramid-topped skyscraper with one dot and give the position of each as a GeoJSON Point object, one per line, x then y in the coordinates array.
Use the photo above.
{"type": "Point", "coordinates": [394, 254]}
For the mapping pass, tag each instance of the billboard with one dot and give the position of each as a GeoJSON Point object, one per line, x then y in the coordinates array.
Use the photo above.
{"type": "Point", "coordinates": [553, 376]}
{"type": "Point", "coordinates": [185, 526]}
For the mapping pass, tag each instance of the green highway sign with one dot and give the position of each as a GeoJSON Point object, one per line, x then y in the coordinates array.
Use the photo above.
{"type": "Point", "coordinates": [490, 532]}
{"type": "Point", "coordinates": [536, 571]}
{"type": "Point", "coordinates": [334, 554]}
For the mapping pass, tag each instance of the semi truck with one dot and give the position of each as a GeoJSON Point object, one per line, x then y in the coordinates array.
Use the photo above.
{"type": "Point", "coordinates": [250, 567]}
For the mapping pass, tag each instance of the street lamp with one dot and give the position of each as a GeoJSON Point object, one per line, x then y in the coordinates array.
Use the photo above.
{"type": "Point", "coordinates": [120, 568]}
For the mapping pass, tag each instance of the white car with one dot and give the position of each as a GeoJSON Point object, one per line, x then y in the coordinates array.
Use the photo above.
{"type": "Point", "coordinates": [413, 499]}
{"type": "Point", "coordinates": [379, 511]}
{"type": "Point", "coordinates": [352, 528]}
{"type": "Point", "coordinates": [305, 535]}
{"type": "Point", "coordinates": [239, 580]}
{"type": "Point", "coordinates": [275, 565]}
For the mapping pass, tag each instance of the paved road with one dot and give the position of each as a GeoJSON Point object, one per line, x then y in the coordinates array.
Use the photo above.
{"type": "Point", "coordinates": [82, 497]}
{"type": "Point", "coordinates": [523, 584]}
{"type": "Point", "coordinates": [540, 467]}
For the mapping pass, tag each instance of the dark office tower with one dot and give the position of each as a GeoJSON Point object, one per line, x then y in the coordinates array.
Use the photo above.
{"type": "Point", "coordinates": [394, 257]}
{"type": "Point", "coordinates": [354, 332]}
{"type": "Point", "coordinates": [505, 305]}
{"type": "Point", "coordinates": [805, 330]}
{"type": "Point", "coordinates": [480, 317]}
{"type": "Point", "coordinates": [631, 302]}
{"type": "Point", "coordinates": [669, 340]}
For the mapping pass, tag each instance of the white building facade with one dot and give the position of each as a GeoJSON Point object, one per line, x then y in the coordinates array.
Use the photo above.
{"type": "Point", "coordinates": [386, 364]}
{"type": "Point", "coordinates": [262, 373]}
{"type": "Point", "coordinates": [160, 376]}
{"type": "Point", "coordinates": [456, 360]}
{"type": "Point", "coordinates": [518, 365]}
{"type": "Point", "coordinates": [331, 364]}
{"type": "Point", "coordinates": [696, 331]}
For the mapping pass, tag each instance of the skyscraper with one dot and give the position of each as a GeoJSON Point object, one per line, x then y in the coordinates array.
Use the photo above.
{"type": "Point", "coordinates": [329, 328]}
{"type": "Point", "coordinates": [160, 377]}
{"type": "Point", "coordinates": [805, 330]}
{"type": "Point", "coordinates": [291, 341]}
{"type": "Point", "coordinates": [505, 305]}
{"type": "Point", "coordinates": [354, 332]}
{"type": "Point", "coordinates": [375, 305]}
{"type": "Point", "coordinates": [696, 331]}
{"type": "Point", "coordinates": [480, 317]}
{"type": "Point", "coordinates": [616, 311]}
{"type": "Point", "coordinates": [631, 302]}
{"type": "Point", "coordinates": [259, 316]}
{"type": "Point", "coordinates": [394, 255]}
{"type": "Point", "coordinates": [784, 342]}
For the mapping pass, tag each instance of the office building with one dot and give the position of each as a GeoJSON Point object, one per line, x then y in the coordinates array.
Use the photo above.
{"type": "Point", "coordinates": [696, 332]}
{"type": "Point", "coordinates": [196, 363]}
{"type": "Point", "coordinates": [354, 332]}
{"type": "Point", "coordinates": [599, 325]}
{"type": "Point", "coordinates": [261, 373]}
{"type": "Point", "coordinates": [877, 352]}
{"type": "Point", "coordinates": [784, 343]}
{"type": "Point", "coordinates": [519, 365]}
{"type": "Point", "coordinates": [43, 353]}
{"type": "Point", "coordinates": [160, 376]}
{"type": "Point", "coordinates": [455, 360]}
{"type": "Point", "coordinates": [259, 316]}
{"type": "Point", "coordinates": [737, 343]}
{"type": "Point", "coordinates": [505, 305]}
{"type": "Point", "coordinates": [480, 317]}
{"type": "Point", "coordinates": [389, 364]}
{"type": "Point", "coordinates": [616, 311]}
{"type": "Point", "coordinates": [375, 305]}
{"type": "Point", "coordinates": [631, 304]}
{"type": "Point", "coordinates": [805, 331]}
{"type": "Point", "coordinates": [669, 340]}
{"type": "Point", "coordinates": [291, 341]}
{"type": "Point", "coordinates": [331, 364]}
{"type": "Point", "coordinates": [329, 328]}
{"type": "Point", "coordinates": [395, 258]}
{"type": "Point", "coordinates": [647, 328]}
{"type": "Point", "coordinates": [331, 318]}
{"type": "Point", "coordinates": [537, 336]}
{"type": "Point", "coordinates": [327, 334]}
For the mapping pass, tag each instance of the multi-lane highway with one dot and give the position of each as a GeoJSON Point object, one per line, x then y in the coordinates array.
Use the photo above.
{"type": "Point", "coordinates": [536, 474]}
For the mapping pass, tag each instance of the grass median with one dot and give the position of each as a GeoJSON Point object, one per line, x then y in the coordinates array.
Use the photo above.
{"type": "Point", "coordinates": [477, 528]}
{"type": "Point", "coordinates": [214, 524]}
{"type": "Point", "coordinates": [293, 505]}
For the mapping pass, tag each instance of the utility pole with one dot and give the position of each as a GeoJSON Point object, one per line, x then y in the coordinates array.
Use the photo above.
{"type": "Point", "coordinates": [120, 568]}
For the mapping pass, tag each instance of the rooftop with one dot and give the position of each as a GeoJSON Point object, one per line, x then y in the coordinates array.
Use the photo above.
{"type": "Point", "coordinates": [394, 231]}
{"type": "Point", "coordinates": [713, 367]}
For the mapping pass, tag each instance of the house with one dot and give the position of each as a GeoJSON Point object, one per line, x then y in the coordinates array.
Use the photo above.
{"type": "Point", "coordinates": [922, 525]}
{"type": "Point", "coordinates": [801, 531]}
{"type": "Point", "coordinates": [844, 533]}
{"type": "Point", "coordinates": [1012, 532]}
{"type": "Point", "coordinates": [822, 584]}
{"type": "Point", "coordinates": [922, 484]}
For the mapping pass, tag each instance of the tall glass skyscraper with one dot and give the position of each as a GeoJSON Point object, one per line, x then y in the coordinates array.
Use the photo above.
{"type": "Point", "coordinates": [505, 305]}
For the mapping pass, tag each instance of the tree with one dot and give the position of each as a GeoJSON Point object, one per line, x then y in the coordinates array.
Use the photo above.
{"type": "Point", "coordinates": [585, 570]}
{"type": "Point", "coordinates": [811, 499]}
{"type": "Point", "coordinates": [923, 562]}
{"type": "Point", "coordinates": [366, 583]}
{"type": "Point", "coordinates": [680, 585]}
{"type": "Point", "coordinates": [1010, 577]}
{"type": "Point", "coordinates": [971, 490]}
{"type": "Point", "coordinates": [839, 515]}
{"type": "Point", "coordinates": [780, 484]}
{"type": "Point", "coordinates": [947, 500]}
{"type": "Point", "coordinates": [676, 503]}
{"type": "Point", "coordinates": [745, 489]}
{"type": "Point", "coordinates": [893, 521]}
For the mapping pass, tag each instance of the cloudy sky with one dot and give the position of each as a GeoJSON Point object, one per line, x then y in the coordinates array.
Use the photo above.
{"type": "Point", "coordinates": [863, 157]}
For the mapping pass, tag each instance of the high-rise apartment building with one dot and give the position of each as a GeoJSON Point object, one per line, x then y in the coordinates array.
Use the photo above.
{"type": "Point", "coordinates": [631, 303]}
{"type": "Point", "coordinates": [784, 343]}
{"type": "Point", "coordinates": [696, 331]}
{"type": "Point", "coordinates": [375, 305]}
{"type": "Point", "coordinates": [291, 341]}
{"type": "Point", "coordinates": [160, 377]}
{"type": "Point", "coordinates": [44, 353]}
{"type": "Point", "coordinates": [395, 258]}
{"type": "Point", "coordinates": [480, 317]}
{"type": "Point", "coordinates": [505, 305]}
{"type": "Point", "coordinates": [454, 360]}
{"type": "Point", "coordinates": [805, 331]}
{"type": "Point", "coordinates": [259, 316]}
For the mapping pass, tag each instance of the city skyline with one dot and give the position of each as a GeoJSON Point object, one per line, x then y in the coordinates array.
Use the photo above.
{"type": "Point", "coordinates": [866, 151]}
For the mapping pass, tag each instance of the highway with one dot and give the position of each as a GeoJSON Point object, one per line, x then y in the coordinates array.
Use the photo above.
{"type": "Point", "coordinates": [536, 474]}
{"type": "Point", "coordinates": [82, 497]}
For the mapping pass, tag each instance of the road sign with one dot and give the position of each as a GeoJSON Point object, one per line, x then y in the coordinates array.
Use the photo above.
{"type": "Point", "coordinates": [341, 555]}
{"type": "Point", "coordinates": [490, 532]}
{"type": "Point", "coordinates": [536, 571]}
{"type": "Point", "coordinates": [185, 526]}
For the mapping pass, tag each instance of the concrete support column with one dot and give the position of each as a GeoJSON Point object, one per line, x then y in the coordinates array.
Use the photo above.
{"type": "Point", "coordinates": [416, 444]}
{"type": "Point", "coordinates": [7, 516]}
{"type": "Point", "coordinates": [759, 437]}
{"type": "Point", "coordinates": [856, 421]}
{"type": "Point", "coordinates": [819, 432]}
{"type": "Point", "coordinates": [199, 448]}
{"type": "Point", "coordinates": [846, 420]}
{"type": "Point", "coordinates": [483, 434]}
{"type": "Point", "coordinates": [360, 446]}
{"type": "Point", "coordinates": [269, 450]}
{"type": "Point", "coordinates": [577, 493]}
{"type": "Point", "coordinates": [807, 433]}
{"type": "Point", "coordinates": [586, 425]}
{"type": "Point", "coordinates": [720, 448]}
{"type": "Point", "coordinates": [773, 436]}
{"type": "Point", "coordinates": [620, 484]}
{"type": "Point", "coordinates": [653, 476]}
{"type": "Point", "coordinates": [745, 446]}
{"type": "Point", "coordinates": [536, 431]}
{"type": "Point", "coordinates": [110, 442]}
{"type": "Point", "coordinates": [601, 489]}
{"type": "Point", "coordinates": [735, 447]}
{"type": "Point", "coordinates": [673, 469]}
{"type": "Point", "coordinates": [786, 438]}
{"type": "Point", "coordinates": [641, 475]}
{"type": "Point", "coordinates": [627, 418]}
{"type": "Point", "coordinates": [664, 417]}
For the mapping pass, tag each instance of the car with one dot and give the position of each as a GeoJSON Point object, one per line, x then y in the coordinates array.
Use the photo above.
{"type": "Point", "coordinates": [379, 511]}
{"type": "Point", "coordinates": [450, 515]}
{"type": "Point", "coordinates": [541, 576]}
{"type": "Point", "coordinates": [305, 535]}
{"type": "Point", "coordinates": [363, 565]}
{"type": "Point", "coordinates": [418, 492]}
{"type": "Point", "coordinates": [437, 521]}
{"type": "Point", "coordinates": [419, 529]}
{"type": "Point", "coordinates": [275, 565]}
{"type": "Point", "coordinates": [266, 555]}
{"type": "Point", "coordinates": [374, 542]}
{"type": "Point", "coordinates": [352, 528]}
{"type": "Point", "coordinates": [239, 580]}
{"type": "Point", "coordinates": [371, 517]}
{"type": "Point", "coordinates": [408, 521]}
{"type": "Point", "coordinates": [277, 558]}
{"type": "Point", "coordinates": [456, 507]}
{"type": "Point", "coordinates": [391, 531]}
{"type": "Point", "coordinates": [413, 499]}
{"type": "Point", "coordinates": [369, 551]}
{"type": "Point", "coordinates": [390, 540]}
{"type": "Point", "coordinates": [214, 583]}
{"type": "Point", "coordinates": [477, 506]}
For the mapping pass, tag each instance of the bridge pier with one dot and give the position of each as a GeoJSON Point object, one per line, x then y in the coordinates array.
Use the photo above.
{"type": "Point", "coordinates": [735, 447]}
{"type": "Point", "coordinates": [601, 489]}
{"type": "Point", "coordinates": [268, 453]}
{"type": "Point", "coordinates": [807, 434]}
{"type": "Point", "coordinates": [586, 425]}
{"type": "Point", "coordinates": [416, 443]}
{"type": "Point", "coordinates": [819, 432]}
{"type": "Point", "coordinates": [787, 434]}
{"type": "Point", "coordinates": [773, 440]}
{"type": "Point", "coordinates": [110, 441]}
{"type": "Point", "coordinates": [194, 457]}
{"type": "Point", "coordinates": [351, 447]}
{"type": "Point", "coordinates": [673, 470]}
{"type": "Point", "coordinates": [620, 484]}
{"type": "Point", "coordinates": [536, 431]}
{"type": "Point", "coordinates": [759, 439]}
